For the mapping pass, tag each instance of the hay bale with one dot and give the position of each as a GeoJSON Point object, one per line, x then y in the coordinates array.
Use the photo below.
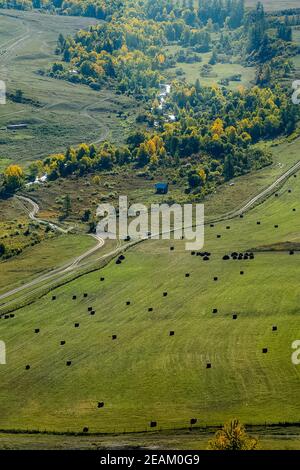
{"type": "Point", "coordinates": [150, 309]}
{"type": "Point", "coordinates": [276, 226]}
{"type": "Point", "coordinates": [74, 297]}
{"type": "Point", "coordinates": [215, 278]}
{"type": "Point", "coordinates": [114, 337]}
{"type": "Point", "coordinates": [258, 223]}
{"type": "Point", "coordinates": [292, 252]}
{"type": "Point", "coordinates": [62, 343]}
{"type": "Point", "coordinates": [122, 257]}
{"type": "Point", "coordinates": [274, 328]}
{"type": "Point", "coordinates": [172, 333]}
{"type": "Point", "coordinates": [85, 430]}
{"type": "Point", "coordinates": [218, 236]}
{"type": "Point", "coordinates": [234, 316]}
{"type": "Point", "coordinates": [85, 295]}
{"type": "Point", "coordinates": [289, 191]}
{"type": "Point", "coordinates": [54, 297]}
{"type": "Point", "coordinates": [37, 330]}
{"type": "Point", "coordinates": [27, 367]}
{"type": "Point", "coordinates": [118, 261]}
{"type": "Point", "coordinates": [193, 421]}
{"type": "Point", "coordinates": [234, 254]}
{"type": "Point", "coordinates": [165, 294]}
{"type": "Point", "coordinates": [128, 302]}
{"type": "Point", "coordinates": [90, 309]}
{"type": "Point", "coordinates": [208, 365]}
{"type": "Point", "coordinates": [228, 227]}
{"type": "Point", "coordinates": [294, 210]}
{"type": "Point", "coordinates": [187, 275]}
{"type": "Point", "coordinates": [241, 216]}
{"type": "Point", "coordinates": [215, 310]}
{"type": "Point", "coordinates": [205, 258]}
{"type": "Point", "coordinates": [102, 279]}
{"type": "Point", "coordinates": [276, 195]}
{"type": "Point", "coordinates": [92, 312]}
{"type": "Point", "coordinates": [193, 253]}
{"type": "Point", "coordinates": [153, 424]}
{"type": "Point", "coordinates": [100, 404]}
{"type": "Point", "coordinates": [265, 350]}
{"type": "Point", "coordinates": [242, 273]}
{"type": "Point", "coordinates": [171, 248]}
{"type": "Point", "coordinates": [226, 257]}
{"type": "Point", "coordinates": [212, 225]}
{"type": "Point", "coordinates": [6, 317]}
{"type": "Point", "coordinates": [76, 325]}
{"type": "Point", "coordinates": [12, 315]}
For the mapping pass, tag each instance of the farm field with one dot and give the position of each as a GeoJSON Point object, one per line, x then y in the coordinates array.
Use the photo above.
{"type": "Point", "coordinates": [66, 113]}
{"type": "Point", "coordinates": [272, 5]}
{"type": "Point", "coordinates": [145, 374]}
{"type": "Point", "coordinates": [270, 439]}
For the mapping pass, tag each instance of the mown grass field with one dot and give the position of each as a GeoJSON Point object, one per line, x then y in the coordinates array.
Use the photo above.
{"type": "Point", "coordinates": [68, 114]}
{"type": "Point", "coordinates": [145, 374]}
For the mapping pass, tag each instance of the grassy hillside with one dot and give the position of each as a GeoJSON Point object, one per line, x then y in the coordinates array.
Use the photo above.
{"type": "Point", "coordinates": [145, 374]}
{"type": "Point", "coordinates": [66, 113]}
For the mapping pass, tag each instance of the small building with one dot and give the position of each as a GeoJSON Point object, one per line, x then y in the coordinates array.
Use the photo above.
{"type": "Point", "coordinates": [161, 188]}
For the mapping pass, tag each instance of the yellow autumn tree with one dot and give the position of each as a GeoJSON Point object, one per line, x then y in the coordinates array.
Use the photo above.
{"type": "Point", "coordinates": [218, 127]}
{"type": "Point", "coordinates": [233, 436]}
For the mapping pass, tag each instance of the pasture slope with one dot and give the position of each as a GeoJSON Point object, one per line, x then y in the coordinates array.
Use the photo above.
{"type": "Point", "coordinates": [146, 374]}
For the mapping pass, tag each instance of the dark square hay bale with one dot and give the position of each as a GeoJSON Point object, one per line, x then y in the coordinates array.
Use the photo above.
{"type": "Point", "coordinates": [241, 273]}
{"type": "Point", "coordinates": [193, 253]}
{"type": "Point", "coordinates": [218, 236]}
{"type": "Point", "coordinates": [6, 317]}
{"type": "Point", "coordinates": [100, 404]}
{"type": "Point", "coordinates": [258, 223]}
{"type": "Point", "coordinates": [289, 190]}
{"type": "Point", "coordinates": [74, 297]}
{"type": "Point", "coordinates": [153, 424]}
{"type": "Point", "coordinates": [294, 210]}
{"type": "Point", "coordinates": [76, 325]}
{"type": "Point", "coordinates": [85, 429]}
{"type": "Point", "coordinates": [226, 257]}
{"type": "Point", "coordinates": [165, 294]}
{"type": "Point", "coordinates": [241, 216]}
{"type": "Point", "coordinates": [215, 310]}
{"type": "Point", "coordinates": [274, 328]}
{"type": "Point", "coordinates": [12, 315]}
{"type": "Point", "coordinates": [276, 226]}
{"type": "Point", "coordinates": [85, 295]}
{"type": "Point", "coordinates": [101, 279]}
{"type": "Point", "coordinates": [114, 337]}
{"type": "Point", "coordinates": [205, 258]}
{"type": "Point", "coordinates": [122, 257]}
{"type": "Point", "coordinates": [37, 330]}
{"type": "Point", "coordinates": [212, 225]}
{"type": "Point", "coordinates": [54, 297]}
{"type": "Point", "coordinates": [228, 227]}
{"type": "Point", "coordinates": [215, 278]}
{"type": "Point", "coordinates": [234, 316]}
{"type": "Point", "coordinates": [93, 312]}
{"type": "Point", "coordinates": [265, 350]}
{"type": "Point", "coordinates": [150, 309]}
{"type": "Point", "coordinates": [208, 365]}
{"type": "Point", "coordinates": [62, 343]}
{"type": "Point", "coordinates": [187, 275]}
{"type": "Point", "coordinates": [171, 248]}
{"type": "Point", "coordinates": [27, 367]}
{"type": "Point", "coordinates": [193, 421]}
{"type": "Point", "coordinates": [68, 363]}
{"type": "Point", "coordinates": [128, 302]}
{"type": "Point", "coordinates": [292, 252]}
{"type": "Point", "coordinates": [118, 261]}
{"type": "Point", "coordinates": [172, 333]}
